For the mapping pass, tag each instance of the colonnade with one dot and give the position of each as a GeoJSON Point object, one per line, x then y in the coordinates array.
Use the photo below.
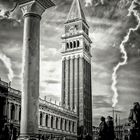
{"type": "Point", "coordinates": [13, 112]}
{"type": "Point", "coordinates": [57, 122]}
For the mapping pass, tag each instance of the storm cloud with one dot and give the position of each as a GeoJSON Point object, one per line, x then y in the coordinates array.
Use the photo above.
{"type": "Point", "coordinates": [108, 23]}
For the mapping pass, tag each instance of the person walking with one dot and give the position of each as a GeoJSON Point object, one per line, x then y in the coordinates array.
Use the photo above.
{"type": "Point", "coordinates": [134, 119]}
{"type": "Point", "coordinates": [102, 129]}
{"type": "Point", "coordinates": [110, 128]}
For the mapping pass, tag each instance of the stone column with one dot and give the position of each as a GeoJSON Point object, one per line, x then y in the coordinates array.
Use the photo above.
{"type": "Point", "coordinates": [63, 83]}
{"type": "Point", "coordinates": [71, 82]}
{"type": "Point", "coordinates": [18, 108]}
{"type": "Point", "coordinates": [44, 120]}
{"type": "Point", "coordinates": [76, 79]}
{"type": "Point", "coordinates": [32, 11]}
{"type": "Point", "coordinates": [15, 112]}
{"type": "Point", "coordinates": [54, 122]}
{"type": "Point", "coordinates": [63, 124]}
{"type": "Point", "coordinates": [59, 121]}
{"type": "Point", "coordinates": [5, 108]}
{"type": "Point", "coordinates": [81, 87]}
{"type": "Point", "coordinates": [9, 111]}
{"type": "Point", "coordinates": [71, 126]}
{"type": "Point", "coordinates": [67, 84]}
{"type": "Point", "coordinates": [67, 123]}
{"type": "Point", "coordinates": [49, 121]}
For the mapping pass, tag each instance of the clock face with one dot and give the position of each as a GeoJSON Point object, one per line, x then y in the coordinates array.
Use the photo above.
{"type": "Point", "coordinates": [73, 29]}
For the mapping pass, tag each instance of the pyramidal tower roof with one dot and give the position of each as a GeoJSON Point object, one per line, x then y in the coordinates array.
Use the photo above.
{"type": "Point", "coordinates": [76, 12]}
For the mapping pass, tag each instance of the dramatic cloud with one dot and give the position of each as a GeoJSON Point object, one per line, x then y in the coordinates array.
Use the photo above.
{"type": "Point", "coordinates": [108, 23]}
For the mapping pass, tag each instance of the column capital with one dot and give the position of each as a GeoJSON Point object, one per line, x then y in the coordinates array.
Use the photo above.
{"type": "Point", "coordinates": [36, 7]}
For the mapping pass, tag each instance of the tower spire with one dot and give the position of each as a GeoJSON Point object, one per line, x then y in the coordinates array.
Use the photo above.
{"type": "Point", "coordinates": [76, 12]}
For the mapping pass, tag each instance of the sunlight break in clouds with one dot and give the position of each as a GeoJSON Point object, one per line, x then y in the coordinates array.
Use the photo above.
{"type": "Point", "coordinates": [123, 51]}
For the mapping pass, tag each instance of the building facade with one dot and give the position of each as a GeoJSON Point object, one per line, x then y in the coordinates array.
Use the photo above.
{"type": "Point", "coordinates": [73, 118]}
{"type": "Point", "coordinates": [76, 68]}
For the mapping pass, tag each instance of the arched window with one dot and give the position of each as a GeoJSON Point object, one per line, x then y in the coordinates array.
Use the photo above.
{"type": "Point", "coordinates": [56, 123]}
{"type": "Point", "coordinates": [74, 44]}
{"type": "Point", "coordinates": [12, 112]}
{"type": "Point", "coordinates": [20, 114]}
{"type": "Point", "coordinates": [67, 45]}
{"type": "Point", "coordinates": [52, 122]}
{"type": "Point", "coordinates": [61, 124]}
{"type": "Point", "coordinates": [65, 125]}
{"type": "Point", "coordinates": [78, 43]}
{"type": "Point", "coordinates": [41, 119]}
{"type": "Point", "coordinates": [71, 45]}
{"type": "Point", "coordinates": [69, 126]}
{"type": "Point", "coordinates": [73, 127]}
{"type": "Point", "coordinates": [46, 120]}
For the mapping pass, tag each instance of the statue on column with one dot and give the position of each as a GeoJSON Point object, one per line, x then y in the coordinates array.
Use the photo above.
{"type": "Point", "coordinates": [134, 119]}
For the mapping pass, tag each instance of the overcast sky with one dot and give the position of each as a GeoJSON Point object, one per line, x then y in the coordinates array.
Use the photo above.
{"type": "Point", "coordinates": [108, 23]}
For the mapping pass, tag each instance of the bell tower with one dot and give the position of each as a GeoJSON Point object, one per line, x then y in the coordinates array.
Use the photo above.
{"type": "Point", "coordinates": [76, 67]}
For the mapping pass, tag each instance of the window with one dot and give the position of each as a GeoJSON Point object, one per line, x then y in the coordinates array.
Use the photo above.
{"type": "Point", "coordinates": [71, 45]}
{"type": "Point", "coordinates": [67, 45]}
{"type": "Point", "coordinates": [52, 122]}
{"type": "Point", "coordinates": [73, 127]}
{"type": "Point", "coordinates": [56, 123]}
{"type": "Point", "coordinates": [74, 44]}
{"type": "Point", "coordinates": [19, 114]}
{"type": "Point", "coordinates": [46, 120]}
{"type": "Point", "coordinates": [78, 43]}
{"type": "Point", "coordinates": [61, 124]}
{"type": "Point", "coordinates": [12, 112]}
{"type": "Point", "coordinates": [69, 126]}
{"type": "Point", "coordinates": [65, 125]}
{"type": "Point", "coordinates": [41, 119]}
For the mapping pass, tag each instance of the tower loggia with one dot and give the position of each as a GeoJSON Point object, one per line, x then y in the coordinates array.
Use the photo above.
{"type": "Point", "coordinates": [76, 67]}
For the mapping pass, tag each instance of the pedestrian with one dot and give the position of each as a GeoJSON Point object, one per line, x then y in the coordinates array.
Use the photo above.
{"type": "Point", "coordinates": [5, 132]}
{"type": "Point", "coordinates": [134, 119]}
{"type": "Point", "coordinates": [102, 129]}
{"type": "Point", "coordinates": [110, 128]}
{"type": "Point", "coordinates": [88, 137]}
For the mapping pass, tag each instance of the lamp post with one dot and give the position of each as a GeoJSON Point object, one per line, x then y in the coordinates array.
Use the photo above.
{"type": "Point", "coordinates": [32, 11]}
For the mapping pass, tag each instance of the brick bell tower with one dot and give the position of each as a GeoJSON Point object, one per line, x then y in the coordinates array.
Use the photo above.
{"type": "Point", "coordinates": [76, 68]}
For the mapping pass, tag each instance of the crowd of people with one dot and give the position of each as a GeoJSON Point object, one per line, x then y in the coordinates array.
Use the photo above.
{"type": "Point", "coordinates": [106, 128]}
{"type": "Point", "coordinates": [8, 132]}
{"type": "Point", "coordinates": [134, 119]}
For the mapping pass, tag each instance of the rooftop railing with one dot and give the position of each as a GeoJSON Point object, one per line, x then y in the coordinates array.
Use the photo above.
{"type": "Point", "coordinates": [14, 91]}
{"type": "Point", "coordinates": [55, 106]}
{"type": "Point", "coordinates": [2, 83]}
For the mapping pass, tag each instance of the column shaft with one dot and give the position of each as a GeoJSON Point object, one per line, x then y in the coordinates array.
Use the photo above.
{"type": "Point", "coordinates": [44, 120]}
{"type": "Point", "coordinates": [5, 108]}
{"type": "Point", "coordinates": [67, 84]}
{"type": "Point", "coordinates": [9, 111]}
{"type": "Point", "coordinates": [49, 121]}
{"type": "Point", "coordinates": [76, 79]}
{"type": "Point", "coordinates": [63, 83]}
{"type": "Point", "coordinates": [54, 122]}
{"type": "Point", "coordinates": [30, 95]}
{"type": "Point", "coordinates": [71, 83]}
{"type": "Point", "coordinates": [18, 113]}
{"type": "Point", "coordinates": [81, 87]}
